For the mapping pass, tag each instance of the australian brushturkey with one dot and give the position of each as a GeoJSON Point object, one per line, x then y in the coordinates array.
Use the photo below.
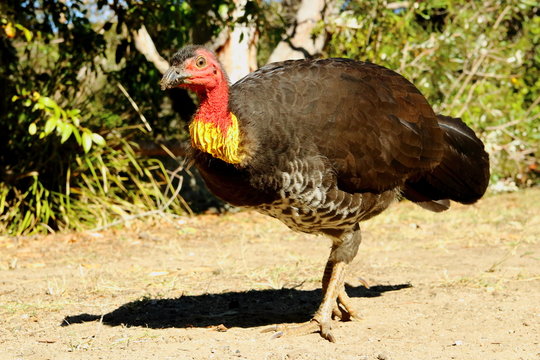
{"type": "Point", "coordinates": [322, 145]}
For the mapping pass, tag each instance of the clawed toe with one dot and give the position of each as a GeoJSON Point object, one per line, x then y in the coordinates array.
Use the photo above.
{"type": "Point", "coordinates": [341, 314]}
{"type": "Point", "coordinates": [309, 327]}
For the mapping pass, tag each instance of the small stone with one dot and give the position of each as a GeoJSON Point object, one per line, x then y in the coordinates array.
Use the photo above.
{"type": "Point", "coordinates": [221, 328]}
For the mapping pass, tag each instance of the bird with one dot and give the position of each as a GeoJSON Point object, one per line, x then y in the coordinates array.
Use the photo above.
{"type": "Point", "coordinates": [322, 145]}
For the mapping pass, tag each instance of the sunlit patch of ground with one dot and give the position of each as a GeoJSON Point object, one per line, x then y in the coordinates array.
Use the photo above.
{"type": "Point", "coordinates": [461, 284]}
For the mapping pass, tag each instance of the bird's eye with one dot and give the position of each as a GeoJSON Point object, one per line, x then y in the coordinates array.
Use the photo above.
{"type": "Point", "coordinates": [200, 62]}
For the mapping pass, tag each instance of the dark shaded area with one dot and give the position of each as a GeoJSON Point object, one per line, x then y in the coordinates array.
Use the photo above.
{"type": "Point", "coordinates": [434, 20]}
{"type": "Point", "coordinates": [197, 195]}
{"type": "Point", "coordinates": [182, 104]}
{"type": "Point", "coordinates": [232, 309]}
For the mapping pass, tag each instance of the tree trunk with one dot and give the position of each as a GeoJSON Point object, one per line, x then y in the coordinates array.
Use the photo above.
{"type": "Point", "coordinates": [299, 43]}
{"type": "Point", "coordinates": [238, 52]}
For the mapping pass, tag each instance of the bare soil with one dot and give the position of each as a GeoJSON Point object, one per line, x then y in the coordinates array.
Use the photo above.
{"type": "Point", "coordinates": [464, 284]}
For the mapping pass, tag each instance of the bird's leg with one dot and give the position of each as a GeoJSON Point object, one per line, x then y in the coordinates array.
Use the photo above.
{"type": "Point", "coordinates": [322, 320]}
{"type": "Point", "coordinates": [329, 304]}
{"type": "Point", "coordinates": [336, 311]}
{"type": "Point", "coordinates": [335, 300]}
{"type": "Point", "coordinates": [345, 249]}
{"type": "Point", "coordinates": [345, 312]}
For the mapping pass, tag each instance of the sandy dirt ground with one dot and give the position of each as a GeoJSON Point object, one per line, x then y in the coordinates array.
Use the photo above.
{"type": "Point", "coordinates": [464, 284]}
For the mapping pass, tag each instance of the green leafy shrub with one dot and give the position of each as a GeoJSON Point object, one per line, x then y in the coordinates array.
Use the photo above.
{"type": "Point", "coordinates": [67, 134]}
{"type": "Point", "coordinates": [94, 180]}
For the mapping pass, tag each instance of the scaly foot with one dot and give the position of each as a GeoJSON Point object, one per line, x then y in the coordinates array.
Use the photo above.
{"type": "Point", "coordinates": [308, 327]}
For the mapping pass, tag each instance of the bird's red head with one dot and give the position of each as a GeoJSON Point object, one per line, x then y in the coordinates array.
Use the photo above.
{"type": "Point", "coordinates": [196, 68]}
{"type": "Point", "coordinates": [214, 129]}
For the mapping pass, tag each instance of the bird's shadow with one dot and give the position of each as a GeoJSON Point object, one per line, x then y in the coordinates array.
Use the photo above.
{"type": "Point", "coordinates": [232, 309]}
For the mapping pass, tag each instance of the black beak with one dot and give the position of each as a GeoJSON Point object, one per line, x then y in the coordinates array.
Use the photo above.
{"type": "Point", "coordinates": [173, 77]}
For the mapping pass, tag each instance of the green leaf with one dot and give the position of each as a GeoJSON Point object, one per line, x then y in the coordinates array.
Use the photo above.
{"type": "Point", "coordinates": [27, 33]}
{"type": "Point", "coordinates": [50, 125]}
{"type": "Point", "coordinates": [86, 141]}
{"type": "Point", "coordinates": [185, 8]}
{"type": "Point", "coordinates": [32, 129]}
{"type": "Point", "coordinates": [73, 112]}
{"type": "Point", "coordinates": [48, 102]}
{"type": "Point", "coordinates": [98, 139]}
{"type": "Point", "coordinates": [223, 10]}
{"type": "Point", "coordinates": [77, 135]}
{"type": "Point", "coordinates": [65, 132]}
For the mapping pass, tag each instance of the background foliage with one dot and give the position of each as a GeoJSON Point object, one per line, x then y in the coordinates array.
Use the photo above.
{"type": "Point", "coordinates": [69, 132]}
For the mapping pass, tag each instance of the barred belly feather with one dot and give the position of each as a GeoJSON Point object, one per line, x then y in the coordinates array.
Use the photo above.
{"type": "Point", "coordinates": [309, 201]}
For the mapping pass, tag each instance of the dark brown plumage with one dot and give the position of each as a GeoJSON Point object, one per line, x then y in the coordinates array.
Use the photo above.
{"type": "Point", "coordinates": [323, 145]}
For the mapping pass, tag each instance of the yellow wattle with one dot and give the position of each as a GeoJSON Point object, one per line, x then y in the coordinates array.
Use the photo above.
{"type": "Point", "coordinates": [209, 138]}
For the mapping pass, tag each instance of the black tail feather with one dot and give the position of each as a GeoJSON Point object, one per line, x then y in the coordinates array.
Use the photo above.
{"type": "Point", "coordinates": [463, 173]}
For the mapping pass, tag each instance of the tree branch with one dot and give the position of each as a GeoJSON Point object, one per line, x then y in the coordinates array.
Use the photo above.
{"type": "Point", "coordinates": [145, 45]}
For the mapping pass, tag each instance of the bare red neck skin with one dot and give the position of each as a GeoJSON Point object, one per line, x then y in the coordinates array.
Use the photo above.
{"type": "Point", "coordinates": [214, 104]}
